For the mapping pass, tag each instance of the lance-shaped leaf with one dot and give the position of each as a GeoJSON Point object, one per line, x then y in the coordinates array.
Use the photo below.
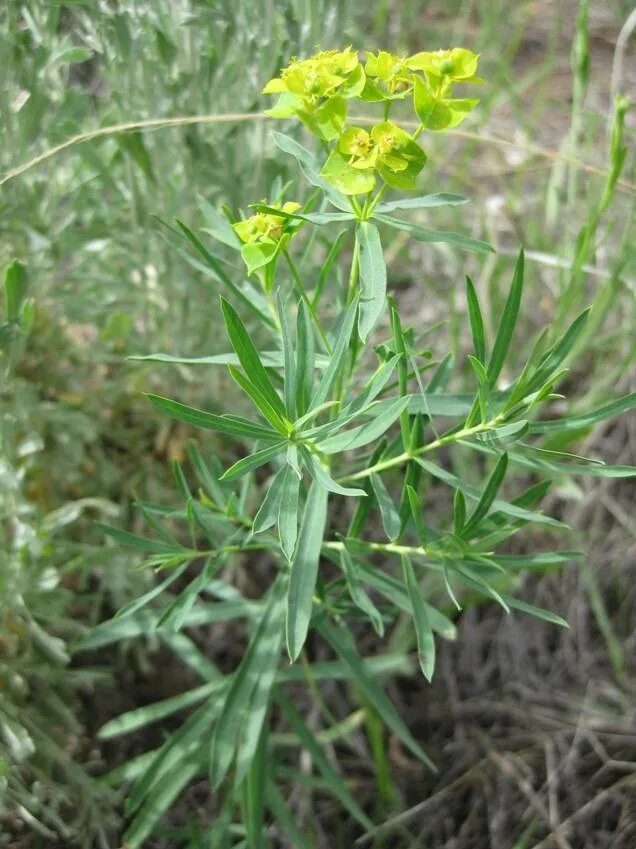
{"type": "Point", "coordinates": [340, 350]}
{"type": "Point", "coordinates": [424, 202]}
{"type": "Point", "coordinates": [233, 425]}
{"type": "Point", "coordinates": [267, 514]}
{"type": "Point", "coordinates": [386, 413]}
{"type": "Point", "coordinates": [423, 630]}
{"type": "Point", "coordinates": [372, 277]}
{"type": "Point", "coordinates": [586, 420]}
{"type": "Point", "coordinates": [308, 741]}
{"type": "Point", "coordinates": [305, 356]}
{"type": "Point", "coordinates": [253, 461]}
{"type": "Point", "coordinates": [427, 234]}
{"type": "Point", "coordinates": [505, 507]}
{"type": "Point", "coordinates": [388, 511]}
{"type": "Point", "coordinates": [321, 474]}
{"type": "Point", "coordinates": [507, 323]}
{"type": "Point", "coordinates": [488, 496]}
{"type": "Point", "coordinates": [357, 593]}
{"type": "Point", "coordinates": [304, 569]}
{"type": "Point", "coordinates": [476, 321]}
{"type": "Point", "coordinates": [342, 642]}
{"type": "Point", "coordinates": [259, 400]}
{"type": "Point", "coordinates": [271, 359]}
{"type": "Point", "coordinates": [252, 680]}
{"type": "Point", "coordinates": [249, 358]}
{"type": "Point", "coordinates": [288, 512]}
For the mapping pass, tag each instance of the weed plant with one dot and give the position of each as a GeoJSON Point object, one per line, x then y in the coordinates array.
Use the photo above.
{"type": "Point", "coordinates": [350, 420]}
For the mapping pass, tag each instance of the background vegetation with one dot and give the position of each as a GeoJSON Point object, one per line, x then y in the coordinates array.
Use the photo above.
{"type": "Point", "coordinates": [531, 728]}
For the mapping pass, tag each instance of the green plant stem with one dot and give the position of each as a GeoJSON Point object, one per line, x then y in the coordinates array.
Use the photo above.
{"type": "Point", "coordinates": [353, 273]}
{"type": "Point", "coordinates": [307, 300]}
{"type": "Point", "coordinates": [406, 456]}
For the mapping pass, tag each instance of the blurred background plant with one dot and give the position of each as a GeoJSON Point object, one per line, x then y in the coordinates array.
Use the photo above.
{"type": "Point", "coordinates": [107, 280]}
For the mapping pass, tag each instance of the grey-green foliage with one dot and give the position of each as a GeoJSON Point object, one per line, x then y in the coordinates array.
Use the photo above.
{"type": "Point", "coordinates": [332, 452]}
{"type": "Point", "coordinates": [39, 779]}
{"type": "Point", "coordinates": [67, 419]}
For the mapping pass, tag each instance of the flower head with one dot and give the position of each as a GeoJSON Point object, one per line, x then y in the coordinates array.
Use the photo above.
{"type": "Point", "coordinates": [454, 66]}
{"type": "Point", "coordinates": [266, 226]}
{"type": "Point", "coordinates": [265, 234]}
{"type": "Point", "coordinates": [386, 150]}
{"type": "Point", "coordinates": [388, 76]}
{"type": "Point", "coordinates": [316, 88]}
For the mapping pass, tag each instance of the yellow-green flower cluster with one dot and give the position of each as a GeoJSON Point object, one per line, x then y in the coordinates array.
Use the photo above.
{"type": "Point", "coordinates": [386, 149]}
{"type": "Point", "coordinates": [265, 234]}
{"type": "Point", "coordinates": [266, 226]}
{"type": "Point", "coordinates": [318, 90]}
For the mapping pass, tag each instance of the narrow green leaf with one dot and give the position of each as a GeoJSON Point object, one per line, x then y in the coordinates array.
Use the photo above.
{"type": "Point", "coordinates": [357, 593]}
{"type": "Point", "coordinates": [417, 514]}
{"type": "Point", "coordinates": [288, 512]}
{"type": "Point", "coordinates": [144, 622]}
{"type": "Point", "coordinates": [233, 425]}
{"type": "Point", "coordinates": [558, 353]}
{"type": "Point", "coordinates": [320, 473]}
{"type": "Point", "coordinates": [266, 662]}
{"type": "Point", "coordinates": [254, 795]}
{"type": "Point", "coordinates": [304, 569]}
{"type": "Point", "coordinates": [339, 354]}
{"type": "Point", "coordinates": [271, 359]}
{"type": "Point", "coordinates": [305, 355]}
{"type": "Point", "coordinates": [427, 234]}
{"type": "Point", "coordinates": [146, 598]}
{"type": "Point", "coordinates": [152, 546]}
{"type": "Point", "coordinates": [459, 512]}
{"type": "Point", "coordinates": [178, 750]}
{"type": "Point", "coordinates": [288, 360]}
{"type": "Point", "coordinates": [138, 718]}
{"type": "Point", "coordinates": [476, 321]}
{"type": "Point", "coordinates": [488, 496]}
{"type": "Point", "coordinates": [218, 225]}
{"type": "Point", "coordinates": [259, 400]}
{"type": "Point", "coordinates": [388, 511]}
{"type": "Point", "coordinates": [423, 630]}
{"type": "Point", "coordinates": [424, 202]}
{"type": "Point", "coordinates": [309, 743]}
{"type": "Point", "coordinates": [508, 509]}
{"type": "Point", "coordinates": [253, 461]}
{"type": "Point", "coordinates": [284, 817]}
{"type": "Point", "coordinates": [441, 404]}
{"type": "Point", "coordinates": [311, 217]}
{"type": "Point", "coordinates": [253, 679]}
{"type": "Point", "coordinates": [340, 639]}
{"type": "Point", "coordinates": [585, 420]}
{"type": "Point", "coordinates": [395, 592]}
{"type": "Point", "coordinates": [267, 514]}
{"type": "Point", "coordinates": [363, 434]}
{"type": "Point", "coordinates": [372, 277]}
{"type": "Point", "coordinates": [248, 355]}
{"type": "Point", "coordinates": [507, 323]}
{"type": "Point", "coordinates": [537, 612]}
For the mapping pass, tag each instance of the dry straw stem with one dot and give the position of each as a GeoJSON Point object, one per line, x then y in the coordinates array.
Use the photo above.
{"type": "Point", "coordinates": [238, 117]}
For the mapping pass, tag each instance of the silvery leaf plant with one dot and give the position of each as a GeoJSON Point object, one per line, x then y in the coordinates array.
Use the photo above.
{"type": "Point", "coordinates": [351, 428]}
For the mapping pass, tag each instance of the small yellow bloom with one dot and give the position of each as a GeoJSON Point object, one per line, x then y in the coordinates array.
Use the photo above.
{"type": "Point", "coordinates": [265, 226]}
